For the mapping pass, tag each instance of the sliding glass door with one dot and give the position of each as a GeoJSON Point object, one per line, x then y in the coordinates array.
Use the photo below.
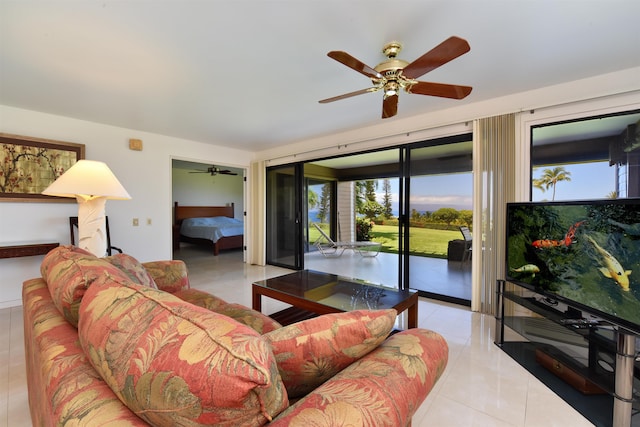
{"type": "Point", "coordinates": [355, 198]}
{"type": "Point", "coordinates": [438, 187]}
{"type": "Point", "coordinates": [411, 199]}
{"type": "Point", "coordinates": [284, 216]}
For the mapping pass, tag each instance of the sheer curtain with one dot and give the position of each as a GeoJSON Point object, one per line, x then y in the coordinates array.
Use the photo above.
{"type": "Point", "coordinates": [494, 159]}
{"type": "Point", "coordinates": [255, 222]}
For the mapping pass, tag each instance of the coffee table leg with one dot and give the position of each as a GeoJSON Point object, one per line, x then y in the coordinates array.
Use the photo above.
{"type": "Point", "coordinates": [256, 300]}
{"type": "Point", "coordinates": [412, 311]}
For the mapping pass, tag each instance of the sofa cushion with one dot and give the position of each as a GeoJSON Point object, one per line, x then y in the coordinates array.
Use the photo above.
{"type": "Point", "coordinates": [312, 351]}
{"type": "Point", "coordinates": [133, 269]}
{"type": "Point", "coordinates": [69, 271]}
{"type": "Point", "coordinates": [261, 323]}
{"type": "Point", "coordinates": [64, 389]}
{"type": "Point", "coordinates": [173, 363]}
{"type": "Point", "coordinates": [385, 388]}
{"type": "Point", "coordinates": [170, 275]}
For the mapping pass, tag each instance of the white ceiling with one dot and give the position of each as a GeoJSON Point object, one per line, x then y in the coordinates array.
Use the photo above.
{"type": "Point", "coordinates": [249, 73]}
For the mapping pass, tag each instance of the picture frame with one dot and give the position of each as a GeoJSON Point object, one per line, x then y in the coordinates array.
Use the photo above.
{"type": "Point", "coordinates": [29, 165]}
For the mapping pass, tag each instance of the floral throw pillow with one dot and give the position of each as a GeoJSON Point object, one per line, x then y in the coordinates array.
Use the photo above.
{"type": "Point", "coordinates": [261, 323]}
{"type": "Point", "coordinates": [69, 271]}
{"type": "Point", "coordinates": [133, 269]}
{"type": "Point", "coordinates": [310, 352]}
{"type": "Point", "coordinates": [173, 363]}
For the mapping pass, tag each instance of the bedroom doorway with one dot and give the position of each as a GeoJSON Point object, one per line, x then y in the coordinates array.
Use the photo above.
{"type": "Point", "coordinates": [192, 184]}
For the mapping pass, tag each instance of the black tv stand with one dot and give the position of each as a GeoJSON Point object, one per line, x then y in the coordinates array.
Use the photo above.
{"type": "Point", "coordinates": [600, 352]}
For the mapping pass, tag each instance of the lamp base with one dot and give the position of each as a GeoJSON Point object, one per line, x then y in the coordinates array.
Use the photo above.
{"type": "Point", "coordinates": [92, 225]}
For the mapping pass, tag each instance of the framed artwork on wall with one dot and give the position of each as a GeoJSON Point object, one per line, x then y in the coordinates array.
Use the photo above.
{"type": "Point", "coordinates": [28, 165]}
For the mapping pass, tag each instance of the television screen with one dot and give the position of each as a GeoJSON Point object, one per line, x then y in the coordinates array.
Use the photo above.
{"type": "Point", "coordinates": [583, 253]}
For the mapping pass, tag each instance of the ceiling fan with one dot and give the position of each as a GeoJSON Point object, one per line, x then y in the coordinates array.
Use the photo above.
{"type": "Point", "coordinates": [213, 170]}
{"type": "Point", "coordinates": [395, 74]}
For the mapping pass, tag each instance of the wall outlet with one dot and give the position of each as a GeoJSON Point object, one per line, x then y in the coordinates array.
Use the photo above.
{"type": "Point", "coordinates": [136, 222]}
{"type": "Point", "coordinates": [148, 221]}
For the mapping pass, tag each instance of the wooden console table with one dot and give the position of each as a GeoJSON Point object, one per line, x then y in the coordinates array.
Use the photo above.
{"type": "Point", "coordinates": [16, 250]}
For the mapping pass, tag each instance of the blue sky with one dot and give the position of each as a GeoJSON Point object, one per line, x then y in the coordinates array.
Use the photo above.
{"type": "Point", "coordinates": [588, 181]}
{"type": "Point", "coordinates": [429, 193]}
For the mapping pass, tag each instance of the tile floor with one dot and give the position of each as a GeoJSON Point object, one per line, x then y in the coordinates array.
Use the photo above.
{"type": "Point", "coordinates": [481, 386]}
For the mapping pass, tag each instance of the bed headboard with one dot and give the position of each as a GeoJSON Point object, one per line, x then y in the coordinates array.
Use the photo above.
{"type": "Point", "coordinates": [184, 212]}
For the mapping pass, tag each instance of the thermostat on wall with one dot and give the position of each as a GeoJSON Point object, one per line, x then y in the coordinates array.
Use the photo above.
{"type": "Point", "coordinates": [135, 144]}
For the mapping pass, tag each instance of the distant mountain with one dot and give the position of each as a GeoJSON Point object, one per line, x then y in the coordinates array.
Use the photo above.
{"type": "Point", "coordinates": [434, 207]}
{"type": "Point", "coordinates": [420, 207]}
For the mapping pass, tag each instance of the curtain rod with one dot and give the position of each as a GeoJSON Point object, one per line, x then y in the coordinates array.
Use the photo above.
{"type": "Point", "coordinates": [389, 138]}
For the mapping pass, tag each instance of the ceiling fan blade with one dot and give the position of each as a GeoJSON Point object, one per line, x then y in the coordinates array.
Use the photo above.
{"type": "Point", "coordinates": [440, 89]}
{"type": "Point", "coordinates": [349, 95]}
{"type": "Point", "coordinates": [227, 172]}
{"type": "Point", "coordinates": [390, 106]}
{"type": "Point", "coordinates": [446, 51]}
{"type": "Point", "coordinates": [354, 64]}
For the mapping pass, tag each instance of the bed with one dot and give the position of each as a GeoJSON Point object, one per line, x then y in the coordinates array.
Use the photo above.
{"type": "Point", "coordinates": [210, 225]}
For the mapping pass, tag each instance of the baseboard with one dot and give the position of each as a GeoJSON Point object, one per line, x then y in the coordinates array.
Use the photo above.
{"type": "Point", "coordinates": [10, 304]}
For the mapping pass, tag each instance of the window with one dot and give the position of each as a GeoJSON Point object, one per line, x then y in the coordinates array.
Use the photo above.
{"type": "Point", "coordinates": [591, 158]}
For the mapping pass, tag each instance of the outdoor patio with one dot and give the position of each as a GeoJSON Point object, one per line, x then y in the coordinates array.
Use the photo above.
{"type": "Point", "coordinates": [433, 275]}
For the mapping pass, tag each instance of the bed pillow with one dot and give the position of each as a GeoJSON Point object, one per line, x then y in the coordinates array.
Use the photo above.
{"type": "Point", "coordinates": [310, 352]}
{"type": "Point", "coordinates": [173, 363]}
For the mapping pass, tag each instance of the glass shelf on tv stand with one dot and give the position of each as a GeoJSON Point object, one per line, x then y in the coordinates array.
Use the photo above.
{"type": "Point", "coordinates": [596, 349]}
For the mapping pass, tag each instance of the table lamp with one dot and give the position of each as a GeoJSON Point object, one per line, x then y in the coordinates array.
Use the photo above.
{"type": "Point", "coordinates": [91, 183]}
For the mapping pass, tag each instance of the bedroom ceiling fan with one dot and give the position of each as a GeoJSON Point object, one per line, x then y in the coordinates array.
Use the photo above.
{"type": "Point", "coordinates": [213, 170]}
{"type": "Point", "coordinates": [394, 74]}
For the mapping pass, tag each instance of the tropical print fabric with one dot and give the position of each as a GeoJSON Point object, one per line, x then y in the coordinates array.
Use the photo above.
{"type": "Point", "coordinates": [310, 352]}
{"type": "Point", "coordinates": [63, 387]}
{"type": "Point", "coordinates": [170, 276]}
{"type": "Point", "coordinates": [69, 271]}
{"type": "Point", "coordinates": [133, 269]}
{"type": "Point", "coordinates": [384, 388]}
{"type": "Point", "coordinates": [173, 363]}
{"type": "Point", "coordinates": [261, 323]}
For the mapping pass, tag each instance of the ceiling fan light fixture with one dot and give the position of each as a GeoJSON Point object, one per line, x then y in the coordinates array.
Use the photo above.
{"type": "Point", "coordinates": [391, 89]}
{"type": "Point", "coordinates": [394, 74]}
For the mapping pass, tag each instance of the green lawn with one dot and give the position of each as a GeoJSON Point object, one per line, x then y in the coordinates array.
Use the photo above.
{"type": "Point", "coordinates": [424, 241]}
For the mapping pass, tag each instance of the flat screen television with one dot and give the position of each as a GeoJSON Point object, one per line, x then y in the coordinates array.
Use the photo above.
{"type": "Point", "coordinates": [585, 254]}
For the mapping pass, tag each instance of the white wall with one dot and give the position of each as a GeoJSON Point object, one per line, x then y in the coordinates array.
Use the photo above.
{"type": "Point", "coordinates": [191, 189]}
{"type": "Point", "coordinates": [145, 174]}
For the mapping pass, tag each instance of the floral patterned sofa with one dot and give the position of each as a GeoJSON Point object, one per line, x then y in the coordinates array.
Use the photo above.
{"type": "Point", "coordinates": [111, 341]}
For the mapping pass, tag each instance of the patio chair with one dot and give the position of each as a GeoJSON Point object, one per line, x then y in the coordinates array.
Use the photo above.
{"type": "Point", "coordinates": [329, 248]}
{"type": "Point", "coordinates": [468, 241]}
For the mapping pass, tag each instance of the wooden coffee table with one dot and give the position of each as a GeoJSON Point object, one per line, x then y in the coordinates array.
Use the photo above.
{"type": "Point", "coordinates": [312, 293]}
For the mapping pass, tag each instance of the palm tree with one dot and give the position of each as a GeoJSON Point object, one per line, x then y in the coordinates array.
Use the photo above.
{"type": "Point", "coordinates": [550, 178]}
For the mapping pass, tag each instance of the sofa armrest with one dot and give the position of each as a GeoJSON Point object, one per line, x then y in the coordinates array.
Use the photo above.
{"type": "Point", "coordinates": [170, 276]}
{"type": "Point", "coordinates": [384, 388]}
{"type": "Point", "coordinates": [63, 388]}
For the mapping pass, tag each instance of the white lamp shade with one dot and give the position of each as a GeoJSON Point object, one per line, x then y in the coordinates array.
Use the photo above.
{"type": "Point", "coordinates": [88, 178]}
